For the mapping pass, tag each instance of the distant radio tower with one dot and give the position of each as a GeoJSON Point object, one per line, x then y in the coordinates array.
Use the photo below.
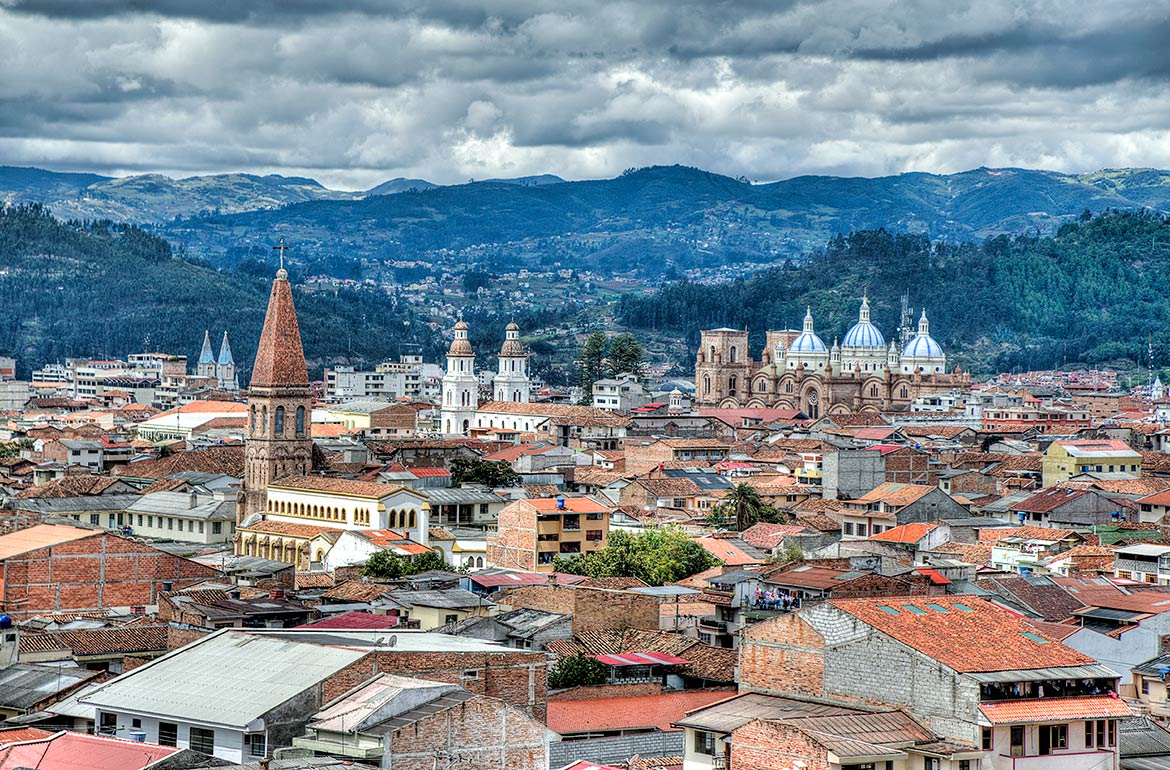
{"type": "Point", "coordinates": [1150, 366]}
{"type": "Point", "coordinates": [905, 331]}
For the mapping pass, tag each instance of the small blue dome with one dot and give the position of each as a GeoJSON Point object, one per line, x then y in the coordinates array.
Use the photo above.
{"type": "Point", "coordinates": [922, 346]}
{"type": "Point", "coordinates": [863, 335]}
{"type": "Point", "coordinates": [807, 342]}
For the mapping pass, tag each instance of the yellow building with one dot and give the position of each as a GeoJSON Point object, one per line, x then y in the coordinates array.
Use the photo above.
{"type": "Point", "coordinates": [531, 533]}
{"type": "Point", "coordinates": [1065, 459]}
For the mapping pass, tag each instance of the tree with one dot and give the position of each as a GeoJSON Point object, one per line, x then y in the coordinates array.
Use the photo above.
{"type": "Point", "coordinates": [656, 556]}
{"type": "Point", "coordinates": [626, 355]}
{"type": "Point", "coordinates": [490, 473]}
{"type": "Point", "coordinates": [742, 506]}
{"type": "Point", "coordinates": [576, 670]}
{"type": "Point", "coordinates": [590, 365]}
{"type": "Point", "coordinates": [386, 565]}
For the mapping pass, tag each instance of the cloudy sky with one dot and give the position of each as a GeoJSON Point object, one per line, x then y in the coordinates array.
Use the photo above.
{"type": "Point", "coordinates": [353, 92]}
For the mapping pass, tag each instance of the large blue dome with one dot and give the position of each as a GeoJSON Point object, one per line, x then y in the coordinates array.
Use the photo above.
{"type": "Point", "coordinates": [922, 346]}
{"type": "Point", "coordinates": [807, 342]}
{"type": "Point", "coordinates": [864, 335]}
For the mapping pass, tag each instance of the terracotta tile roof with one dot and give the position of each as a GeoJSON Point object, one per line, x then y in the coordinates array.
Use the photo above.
{"type": "Point", "coordinates": [355, 620]}
{"type": "Point", "coordinates": [313, 580]}
{"type": "Point", "coordinates": [512, 454]}
{"type": "Point", "coordinates": [331, 429]}
{"type": "Point", "coordinates": [814, 576]}
{"type": "Point", "coordinates": [670, 487]}
{"type": "Point", "coordinates": [80, 485]}
{"type": "Point", "coordinates": [1005, 642]}
{"type": "Point", "coordinates": [729, 551]}
{"type": "Point", "coordinates": [226, 460]}
{"type": "Point", "coordinates": [1051, 602]}
{"type": "Point", "coordinates": [439, 533]}
{"type": "Point", "coordinates": [388, 538]}
{"type": "Point", "coordinates": [1048, 500]}
{"type": "Point", "coordinates": [336, 486]}
{"type": "Point", "coordinates": [767, 536]}
{"type": "Point", "coordinates": [991, 535]}
{"type": "Point", "coordinates": [280, 357]}
{"type": "Point", "coordinates": [944, 431]}
{"type": "Point", "coordinates": [627, 713]}
{"type": "Point", "coordinates": [45, 642]}
{"type": "Point", "coordinates": [579, 504]}
{"type": "Point", "coordinates": [971, 553]}
{"type": "Point", "coordinates": [906, 533]}
{"type": "Point", "coordinates": [1055, 709]}
{"type": "Point", "coordinates": [595, 476]}
{"type": "Point", "coordinates": [1158, 498]}
{"type": "Point", "coordinates": [355, 591]}
{"type": "Point", "coordinates": [222, 423]}
{"type": "Point", "coordinates": [818, 522]}
{"type": "Point", "coordinates": [1057, 631]}
{"type": "Point", "coordinates": [103, 641]}
{"type": "Point", "coordinates": [1147, 485]}
{"type": "Point", "coordinates": [898, 495]}
{"type": "Point", "coordinates": [613, 583]}
{"type": "Point", "coordinates": [166, 485]}
{"type": "Point", "coordinates": [18, 734]}
{"type": "Point", "coordinates": [714, 663]}
{"type": "Point", "coordinates": [558, 413]}
{"type": "Point", "coordinates": [204, 406]}
{"type": "Point", "coordinates": [292, 529]}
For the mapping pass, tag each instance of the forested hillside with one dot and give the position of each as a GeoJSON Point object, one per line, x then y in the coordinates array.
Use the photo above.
{"type": "Point", "coordinates": [1091, 293]}
{"type": "Point", "coordinates": [105, 290]}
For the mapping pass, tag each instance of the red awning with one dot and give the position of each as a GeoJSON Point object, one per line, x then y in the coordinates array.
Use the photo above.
{"type": "Point", "coordinates": [641, 659]}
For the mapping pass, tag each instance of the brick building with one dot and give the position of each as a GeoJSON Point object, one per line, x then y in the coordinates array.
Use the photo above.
{"type": "Point", "coordinates": [972, 671]}
{"type": "Point", "coordinates": [531, 533]}
{"type": "Point", "coordinates": [591, 609]}
{"type": "Point", "coordinates": [54, 568]}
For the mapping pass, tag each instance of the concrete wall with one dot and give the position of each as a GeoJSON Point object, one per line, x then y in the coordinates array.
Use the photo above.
{"type": "Point", "coordinates": [618, 748]}
{"type": "Point", "coordinates": [850, 473]}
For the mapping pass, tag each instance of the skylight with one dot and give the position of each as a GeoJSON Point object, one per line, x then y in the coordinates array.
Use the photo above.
{"type": "Point", "coordinates": [1034, 637]}
{"type": "Point", "coordinates": [938, 608]}
{"type": "Point", "coordinates": [915, 610]}
{"type": "Point", "coordinates": [887, 608]}
{"type": "Point", "coordinates": [962, 607]}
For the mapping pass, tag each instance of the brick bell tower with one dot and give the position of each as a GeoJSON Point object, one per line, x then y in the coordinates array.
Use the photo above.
{"type": "Point", "coordinates": [278, 439]}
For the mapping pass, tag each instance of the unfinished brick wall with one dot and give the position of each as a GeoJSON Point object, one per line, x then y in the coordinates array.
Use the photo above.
{"type": "Point", "coordinates": [180, 637]}
{"type": "Point", "coordinates": [763, 745]}
{"type": "Point", "coordinates": [514, 544]}
{"type": "Point", "coordinates": [782, 655]}
{"type": "Point", "coordinates": [592, 609]}
{"type": "Point", "coordinates": [92, 573]}
{"type": "Point", "coordinates": [517, 678]}
{"type": "Point", "coordinates": [479, 734]}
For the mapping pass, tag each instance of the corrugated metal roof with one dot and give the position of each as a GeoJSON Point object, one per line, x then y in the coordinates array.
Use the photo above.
{"type": "Point", "coordinates": [229, 678]}
{"type": "Point", "coordinates": [642, 659]}
{"type": "Point", "coordinates": [23, 684]}
{"type": "Point", "coordinates": [1092, 671]}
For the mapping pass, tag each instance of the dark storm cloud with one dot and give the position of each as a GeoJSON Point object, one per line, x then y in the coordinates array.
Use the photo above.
{"type": "Point", "coordinates": [355, 91]}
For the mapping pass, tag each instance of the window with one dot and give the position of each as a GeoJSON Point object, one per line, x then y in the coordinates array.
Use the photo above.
{"type": "Point", "coordinates": [202, 740]}
{"type": "Point", "coordinates": [704, 743]}
{"type": "Point", "coordinates": [94, 518]}
{"type": "Point", "coordinates": [986, 739]}
{"type": "Point", "coordinates": [168, 733]}
{"type": "Point", "coordinates": [170, 523]}
{"type": "Point", "coordinates": [136, 723]}
{"type": "Point", "coordinates": [202, 527]}
{"type": "Point", "coordinates": [450, 618]}
{"type": "Point", "coordinates": [257, 744]}
{"type": "Point", "coordinates": [1145, 686]}
{"type": "Point", "coordinates": [964, 764]}
{"type": "Point", "coordinates": [140, 519]}
{"type": "Point", "coordinates": [931, 763]}
{"type": "Point", "coordinates": [279, 429]}
{"type": "Point", "coordinates": [1052, 737]}
{"type": "Point", "coordinates": [300, 420]}
{"type": "Point", "coordinates": [216, 527]}
{"type": "Point", "coordinates": [108, 724]}
{"type": "Point", "coordinates": [847, 528]}
{"type": "Point", "coordinates": [1017, 742]}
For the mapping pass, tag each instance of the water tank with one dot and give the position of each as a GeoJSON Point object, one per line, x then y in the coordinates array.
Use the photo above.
{"type": "Point", "coordinates": [137, 735]}
{"type": "Point", "coordinates": [5, 621]}
{"type": "Point", "coordinates": [560, 503]}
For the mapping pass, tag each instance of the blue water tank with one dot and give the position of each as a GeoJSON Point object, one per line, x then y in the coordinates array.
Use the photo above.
{"type": "Point", "coordinates": [5, 621]}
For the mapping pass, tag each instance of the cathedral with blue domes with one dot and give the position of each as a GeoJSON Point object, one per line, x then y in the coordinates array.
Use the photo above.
{"type": "Point", "coordinates": [859, 373]}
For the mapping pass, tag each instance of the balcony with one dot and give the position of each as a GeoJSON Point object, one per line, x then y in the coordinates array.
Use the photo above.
{"type": "Point", "coordinates": [713, 624]}
{"type": "Point", "coordinates": [1065, 760]}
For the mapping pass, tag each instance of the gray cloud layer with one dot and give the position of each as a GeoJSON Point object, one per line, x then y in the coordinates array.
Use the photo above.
{"type": "Point", "coordinates": [355, 91]}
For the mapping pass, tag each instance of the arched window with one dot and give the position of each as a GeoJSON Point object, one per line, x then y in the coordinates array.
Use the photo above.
{"type": "Point", "coordinates": [712, 354]}
{"type": "Point", "coordinates": [873, 391]}
{"type": "Point", "coordinates": [706, 384]}
{"type": "Point", "coordinates": [788, 387]}
{"type": "Point", "coordinates": [733, 352]}
{"type": "Point", "coordinates": [413, 521]}
{"type": "Point", "coordinates": [905, 392]}
{"type": "Point", "coordinates": [264, 418]}
{"type": "Point", "coordinates": [253, 418]}
{"type": "Point", "coordinates": [300, 420]}
{"type": "Point", "coordinates": [731, 383]}
{"type": "Point", "coordinates": [279, 421]}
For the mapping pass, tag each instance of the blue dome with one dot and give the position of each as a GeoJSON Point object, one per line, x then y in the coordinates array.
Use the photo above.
{"type": "Point", "coordinates": [863, 335]}
{"type": "Point", "coordinates": [807, 342]}
{"type": "Point", "coordinates": [922, 346]}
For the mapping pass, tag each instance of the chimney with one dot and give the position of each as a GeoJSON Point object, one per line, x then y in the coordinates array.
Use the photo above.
{"type": "Point", "coordinates": [276, 593]}
{"type": "Point", "coordinates": [193, 500]}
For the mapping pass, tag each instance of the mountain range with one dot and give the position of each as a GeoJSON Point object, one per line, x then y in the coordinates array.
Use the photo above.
{"type": "Point", "coordinates": [649, 219]}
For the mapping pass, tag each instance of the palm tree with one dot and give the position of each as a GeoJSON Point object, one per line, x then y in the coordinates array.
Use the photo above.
{"type": "Point", "coordinates": [743, 505]}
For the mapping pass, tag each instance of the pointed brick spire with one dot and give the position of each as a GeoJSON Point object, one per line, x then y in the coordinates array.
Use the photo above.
{"type": "Point", "coordinates": [280, 358]}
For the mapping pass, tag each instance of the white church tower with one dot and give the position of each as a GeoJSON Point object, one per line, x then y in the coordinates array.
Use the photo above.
{"type": "Point", "coordinates": [225, 366]}
{"type": "Point", "coordinates": [512, 383]}
{"type": "Point", "coordinates": [460, 386]}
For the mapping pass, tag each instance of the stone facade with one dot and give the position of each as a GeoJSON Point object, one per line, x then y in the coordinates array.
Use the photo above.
{"type": "Point", "coordinates": [727, 376]}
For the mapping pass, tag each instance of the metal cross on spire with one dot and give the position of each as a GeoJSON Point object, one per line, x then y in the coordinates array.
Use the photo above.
{"type": "Point", "coordinates": [282, 273]}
